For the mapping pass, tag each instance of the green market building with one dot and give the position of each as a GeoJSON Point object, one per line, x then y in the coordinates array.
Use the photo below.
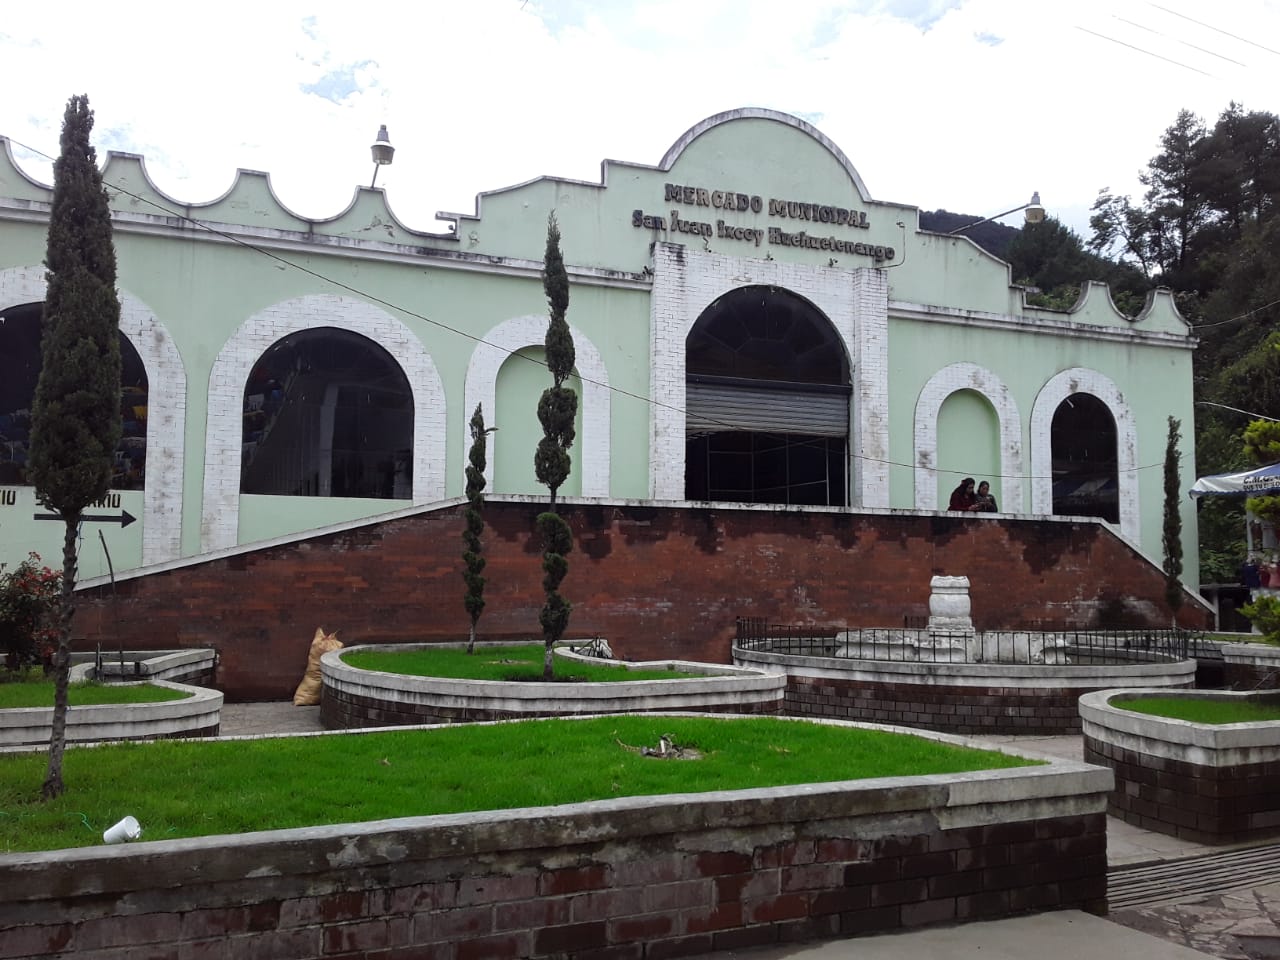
{"type": "Point", "coordinates": [751, 326]}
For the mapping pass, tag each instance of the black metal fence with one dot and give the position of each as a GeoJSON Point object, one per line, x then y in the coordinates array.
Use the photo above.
{"type": "Point", "coordinates": [914, 642]}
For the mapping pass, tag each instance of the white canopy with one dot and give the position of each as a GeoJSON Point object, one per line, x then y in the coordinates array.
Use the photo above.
{"type": "Point", "coordinates": [1248, 483]}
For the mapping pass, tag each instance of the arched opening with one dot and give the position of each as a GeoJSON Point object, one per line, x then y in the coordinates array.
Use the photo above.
{"type": "Point", "coordinates": [327, 413]}
{"type": "Point", "coordinates": [19, 371]}
{"type": "Point", "coordinates": [968, 443]}
{"type": "Point", "coordinates": [767, 402]}
{"type": "Point", "coordinates": [1085, 470]}
{"type": "Point", "coordinates": [518, 387]}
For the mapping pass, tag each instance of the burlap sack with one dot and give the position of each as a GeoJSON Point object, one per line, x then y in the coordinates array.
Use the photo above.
{"type": "Point", "coordinates": [308, 692]}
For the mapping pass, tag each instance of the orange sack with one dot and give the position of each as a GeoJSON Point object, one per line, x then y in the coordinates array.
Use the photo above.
{"type": "Point", "coordinates": [308, 692]}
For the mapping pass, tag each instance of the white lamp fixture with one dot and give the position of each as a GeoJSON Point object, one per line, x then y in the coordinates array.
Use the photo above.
{"type": "Point", "coordinates": [1034, 214]}
{"type": "Point", "coordinates": [382, 151]}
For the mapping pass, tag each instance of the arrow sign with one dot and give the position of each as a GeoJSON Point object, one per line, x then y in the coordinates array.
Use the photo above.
{"type": "Point", "coordinates": [124, 517]}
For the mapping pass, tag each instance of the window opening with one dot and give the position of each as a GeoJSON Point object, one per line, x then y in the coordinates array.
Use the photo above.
{"type": "Point", "coordinates": [1085, 465]}
{"type": "Point", "coordinates": [19, 372]}
{"type": "Point", "coordinates": [327, 413]}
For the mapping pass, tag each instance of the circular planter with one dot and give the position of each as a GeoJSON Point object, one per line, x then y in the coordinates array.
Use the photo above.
{"type": "Point", "coordinates": [353, 698]}
{"type": "Point", "coordinates": [199, 715]}
{"type": "Point", "coordinates": [969, 698]}
{"type": "Point", "coordinates": [1210, 783]}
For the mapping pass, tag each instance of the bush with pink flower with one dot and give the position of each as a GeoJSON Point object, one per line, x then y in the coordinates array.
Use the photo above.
{"type": "Point", "coordinates": [29, 599]}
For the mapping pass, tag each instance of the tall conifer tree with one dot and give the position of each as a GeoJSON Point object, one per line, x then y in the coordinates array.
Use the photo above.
{"type": "Point", "coordinates": [75, 421]}
{"type": "Point", "coordinates": [1172, 537]}
{"type": "Point", "coordinates": [473, 557]}
{"type": "Point", "coordinates": [557, 410]}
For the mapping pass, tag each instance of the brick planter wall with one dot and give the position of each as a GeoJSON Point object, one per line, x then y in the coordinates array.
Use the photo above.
{"type": "Point", "coordinates": [1201, 782]}
{"type": "Point", "coordinates": [658, 581]}
{"type": "Point", "coordinates": [956, 697]}
{"type": "Point", "coordinates": [1251, 666]}
{"type": "Point", "coordinates": [632, 878]}
{"type": "Point", "coordinates": [352, 698]}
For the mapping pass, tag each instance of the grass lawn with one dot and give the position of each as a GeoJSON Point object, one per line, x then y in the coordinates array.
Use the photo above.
{"type": "Point", "coordinates": [523, 662]}
{"type": "Point", "coordinates": [190, 788]}
{"type": "Point", "coordinates": [38, 692]}
{"type": "Point", "coordinates": [1202, 709]}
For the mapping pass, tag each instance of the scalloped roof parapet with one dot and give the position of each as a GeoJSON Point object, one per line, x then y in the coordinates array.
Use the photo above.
{"type": "Point", "coordinates": [673, 154]}
{"type": "Point", "coordinates": [250, 200]}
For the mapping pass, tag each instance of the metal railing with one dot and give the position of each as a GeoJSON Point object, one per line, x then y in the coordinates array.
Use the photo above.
{"type": "Point", "coordinates": [914, 643]}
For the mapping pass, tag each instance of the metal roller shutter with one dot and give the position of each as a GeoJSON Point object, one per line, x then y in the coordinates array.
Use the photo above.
{"type": "Point", "coordinates": [718, 408]}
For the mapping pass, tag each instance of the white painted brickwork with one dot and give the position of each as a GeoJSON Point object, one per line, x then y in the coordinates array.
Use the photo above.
{"type": "Point", "coordinates": [967, 376]}
{"type": "Point", "coordinates": [1051, 395]}
{"type": "Point", "coordinates": [687, 281]}
{"type": "Point", "coordinates": [166, 409]}
{"type": "Point", "coordinates": [592, 454]}
{"type": "Point", "coordinates": [219, 524]}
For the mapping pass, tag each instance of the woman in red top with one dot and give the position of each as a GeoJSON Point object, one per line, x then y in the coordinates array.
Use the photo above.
{"type": "Point", "coordinates": [963, 497]}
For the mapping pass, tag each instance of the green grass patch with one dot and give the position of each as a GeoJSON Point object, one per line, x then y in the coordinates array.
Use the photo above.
{"type": "Point", "coordinates": [195, 788]}
{"type": "Point", "coordinates": [1202, 709]}
{"type": "Point", "coordinates": [517, 662]}
{"type": "Point", "coordinates": [28, 692]}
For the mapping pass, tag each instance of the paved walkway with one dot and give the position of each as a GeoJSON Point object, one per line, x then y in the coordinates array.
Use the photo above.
{"type": "Point", "coordinates": [1238, 924]}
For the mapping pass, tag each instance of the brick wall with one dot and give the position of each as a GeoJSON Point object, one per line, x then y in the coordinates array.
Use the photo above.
{"type": "Point", "coordinates": [1192, 801]}
{"type": "Point", "coordinates": [1044, 711]}
{"type": "Point", "coordinates": [612, 880]}
{"type": "Point", "coordinates": [658, 582]}
{"type": "Point", "coordinates": [342, 710]}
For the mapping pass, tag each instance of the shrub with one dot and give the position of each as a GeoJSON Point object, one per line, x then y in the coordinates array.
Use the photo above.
{"type": "Point", "coordinates": [1265, 614]}
{"type": "Point", "coordinates": [29, 597]}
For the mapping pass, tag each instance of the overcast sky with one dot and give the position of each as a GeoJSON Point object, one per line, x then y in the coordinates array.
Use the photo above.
{"type": "Point", "coordinates": [968, 105]}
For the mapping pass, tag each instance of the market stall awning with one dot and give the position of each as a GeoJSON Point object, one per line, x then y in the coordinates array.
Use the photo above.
{"type": "Point", "coordinates": [1247, 483]}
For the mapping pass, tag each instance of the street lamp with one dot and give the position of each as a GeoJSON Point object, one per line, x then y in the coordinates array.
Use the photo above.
{"type": "Point", "coordinates": [382, 151]}
{"type": "Point", "coordinates": [1034, 214]}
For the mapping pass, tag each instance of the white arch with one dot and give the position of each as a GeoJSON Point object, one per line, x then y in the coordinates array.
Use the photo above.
{"type": "Point", "coordinates": [482, 384]}
{"type": "Point", "coordinates": [948, 380]}
{"type": "Point", "coordinates": [166, 409]}
{"type": "Point", "coordinates": [220, 514]}
{"type": "Point", "coordinates": [1063, 385]}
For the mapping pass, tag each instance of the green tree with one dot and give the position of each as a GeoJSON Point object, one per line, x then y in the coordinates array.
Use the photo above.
{"type": "Point", "coordinates": [1172, 536]}
{"type": "Point", "coordinates": [557, 410]}
{"type": "Point", "coordinates": [472, 557]}
{"type": "Point", "coordinates": [75, 423]}
{"type": "Point", "coordinates": [1262, 446]}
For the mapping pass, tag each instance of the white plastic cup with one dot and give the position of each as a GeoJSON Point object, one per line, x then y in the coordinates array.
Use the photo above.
{"type": "Point", "coordinates": [126, 829]}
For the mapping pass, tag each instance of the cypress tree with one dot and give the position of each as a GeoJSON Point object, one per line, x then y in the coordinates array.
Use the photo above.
{"type": "Point", "coordinates": [1172, 536]}
{"type": "Point", "coordinates": [75, 420]}
{"type": "Point", "coordinates": [557, 409]}
{"type": "Point", "coordinates": [472, 555]}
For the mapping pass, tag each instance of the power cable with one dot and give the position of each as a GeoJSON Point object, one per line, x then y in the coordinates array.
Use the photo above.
{"type": "Point", "coordinates": [1210, 26]}
{"type": "Point", "coordinates": [1176, 63]}
{"type": "Point", "coordinates": [177, 214]}
{"type": "Point", "coordinates": [1185, 43]}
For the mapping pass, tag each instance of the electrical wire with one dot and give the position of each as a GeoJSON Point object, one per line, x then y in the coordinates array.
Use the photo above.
{"type": "Point", "coordinates": [1176, 63]}
{"type": "Point", "coordinates": [178, 214]}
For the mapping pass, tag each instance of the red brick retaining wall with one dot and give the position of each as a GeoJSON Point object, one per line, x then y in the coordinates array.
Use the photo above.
{"type": "Point", "coordinates": [658, 582]}
{"type": "Point", "coordinates": [614, 880]}
{"type": "Point", "coordinates": [1197, 802]}
{"type": "Point", "coordinates": [966, 710]}
{"type": "Point", "coordinates": [340, 710]}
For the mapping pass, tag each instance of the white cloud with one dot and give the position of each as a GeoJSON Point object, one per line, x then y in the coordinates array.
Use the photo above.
{"type": "Point", "coordinates": [967, 104]}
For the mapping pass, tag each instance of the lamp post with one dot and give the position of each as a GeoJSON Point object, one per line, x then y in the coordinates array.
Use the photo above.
{"type": "Point", "coordinates": [1034, 214]}
{"type": "Point", "coordinates": [382, 151]}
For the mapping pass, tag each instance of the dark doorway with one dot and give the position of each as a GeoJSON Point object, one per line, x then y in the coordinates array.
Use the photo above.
{"type": "Point", "coordinates": [1085, 471]}
{"type": "Point", "coordinates": [19, 371]}
{"type": "Point", "coordinates": [767, 417]}
{"type": "Point", "coordinates": [327, 413]}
